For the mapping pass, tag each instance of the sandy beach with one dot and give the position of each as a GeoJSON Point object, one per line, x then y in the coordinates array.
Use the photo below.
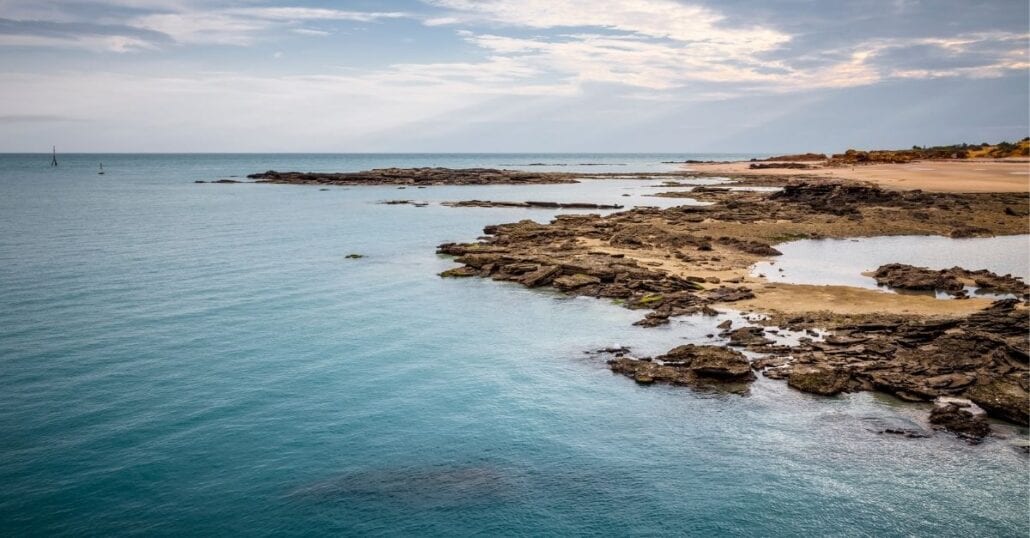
{"type": "Point", "coordinates": [971, 175]}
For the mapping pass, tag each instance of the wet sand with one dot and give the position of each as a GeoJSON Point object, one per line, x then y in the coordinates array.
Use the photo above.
{"type": "Point", "coordinates": [804, 298]}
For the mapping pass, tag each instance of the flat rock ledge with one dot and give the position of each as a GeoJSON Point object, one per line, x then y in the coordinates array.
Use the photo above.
{"type": "Point", "coordinates": [414, 176]}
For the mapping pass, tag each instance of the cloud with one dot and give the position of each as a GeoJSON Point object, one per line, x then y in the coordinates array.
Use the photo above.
{"type": "Point", "coordinates": [653, 18]}
{"type": "Point", "coordinates": [96, 37]}
{"type": "Point", "coordinates": [142, 25]}
{"type": "Point", "coordinates": [244, 26]}
{"type": "Point", "coordinates": [310, 32]}
{"type": "Point", "coordinates": [647, 43]}
{"type": "Point", "coordinates": [36, 118]}
{"type": "Point", "coordinates": [203, 27]}
{"type": "Point", "coordinates": [303, 14]}
{"type": "Point", "coordinates": [664, 45]}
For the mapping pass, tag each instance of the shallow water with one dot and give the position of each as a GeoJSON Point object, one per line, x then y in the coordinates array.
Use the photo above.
{"type": "Point", "coordinates": [202, 359]}
{"type": "Point", "coordinates": [842, 262]}
{"type": "Point", "coordinates": [628, 193]}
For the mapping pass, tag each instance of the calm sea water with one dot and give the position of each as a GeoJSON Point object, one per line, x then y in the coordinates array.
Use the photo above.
{"type": "Point", "coordinates": [181, 359]}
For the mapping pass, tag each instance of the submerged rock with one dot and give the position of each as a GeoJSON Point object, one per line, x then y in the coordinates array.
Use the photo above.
{"type": "Point", "coordinates": [892, 425]}
{"type": "Point", "coordinates": [532, 205]}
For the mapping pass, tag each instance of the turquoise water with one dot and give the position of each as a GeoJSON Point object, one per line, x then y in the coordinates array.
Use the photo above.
{"type": "Point", "coordinates": [180, 359]}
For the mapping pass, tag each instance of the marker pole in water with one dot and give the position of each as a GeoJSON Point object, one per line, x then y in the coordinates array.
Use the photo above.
{"type": "Point", "coordinates": [53, 161]}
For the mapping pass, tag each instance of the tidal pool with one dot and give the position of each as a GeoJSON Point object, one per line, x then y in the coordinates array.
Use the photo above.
{"type": "Point", "coordinates": [842, 262]}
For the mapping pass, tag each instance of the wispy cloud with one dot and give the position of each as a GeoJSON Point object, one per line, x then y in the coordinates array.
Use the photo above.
{"type": "Point", "coordinates": [244, 26]}
{"type": "Point", "coordinates": [667, 45]}
{"type": "Point", "coordinates": [141, 25]}
{"type": "Point", "coordinates": [84, 35]}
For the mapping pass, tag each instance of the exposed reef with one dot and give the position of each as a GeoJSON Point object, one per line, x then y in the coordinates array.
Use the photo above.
{"type": "Point", "coordinates": [414, 176]}
{"type": "Point", "coordinates": [532, 204]}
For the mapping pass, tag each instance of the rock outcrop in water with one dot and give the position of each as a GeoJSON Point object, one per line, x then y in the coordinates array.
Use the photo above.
{"type": "Point", "coordinates": [952, 281]}
{"type": "Point", "coordinates": [961, 417]}
{"type": "Point", "coordinates": [698, 366]}
{"type": "Point", "coordinates": [414, 176]}
{"type": "Point", "coordinates": [907, 277]}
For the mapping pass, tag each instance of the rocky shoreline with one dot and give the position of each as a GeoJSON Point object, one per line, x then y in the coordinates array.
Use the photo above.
{"type": "Point", "coordinates": [693, 260]}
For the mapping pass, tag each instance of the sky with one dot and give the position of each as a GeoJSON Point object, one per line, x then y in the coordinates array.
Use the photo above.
{"type": "Point", "coordinates": [761, 76]}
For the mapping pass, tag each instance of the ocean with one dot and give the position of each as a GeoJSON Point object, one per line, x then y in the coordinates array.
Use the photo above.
{"type": "Point", "coordinates": [203, 359]}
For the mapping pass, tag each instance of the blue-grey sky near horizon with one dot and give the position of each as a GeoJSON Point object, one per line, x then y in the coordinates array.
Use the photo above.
{"type": "Point", "coordinates": [510, 75]}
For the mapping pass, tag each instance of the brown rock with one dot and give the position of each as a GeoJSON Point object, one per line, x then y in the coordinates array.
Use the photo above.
{"type": "Point", "coordinates": [907, 277]}
{"type": "Point", "coordinates": [571, 282]}
{"type": "Point", "coordinates": [960, 417]}
{"type": "Point", "coordinates": [459, 272]}
{"type": "Point", "coordinates": [541, 276]}
{"type": "Point", "coordinates": [711, 361]}
{"type": "Point", "coordinates": [1002, 398]}
{"type": "Point", "coordinates": [818, 380]}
